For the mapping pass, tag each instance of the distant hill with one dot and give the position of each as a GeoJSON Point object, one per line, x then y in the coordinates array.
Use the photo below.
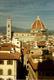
{"type": "Point", "coordinates": [15, 29]}
{"type": "Point", "coordinates": [50, 32]}
{"type": "Point", "coordinates": [20, 29]}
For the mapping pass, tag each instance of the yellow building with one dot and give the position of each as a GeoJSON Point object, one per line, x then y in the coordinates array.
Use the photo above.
{"type": "Point", "coordinates": [8, 62]}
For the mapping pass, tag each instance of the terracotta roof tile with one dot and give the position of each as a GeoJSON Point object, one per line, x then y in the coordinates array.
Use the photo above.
{"type": "Point", "coordinates": [38, 24]}
{"type": "Point", "coordinates": [9, 56]}
{"type": "Point", "coordinates": [5, 55]}
{"type": "Point", "coordinates": [6, 47]}
{"type": "Point", "coordinates": [41, 43]}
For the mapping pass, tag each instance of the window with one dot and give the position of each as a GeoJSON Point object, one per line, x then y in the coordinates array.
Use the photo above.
{"type": "Point", "coordinates": [8, 30]}
{"type": "Point", "coordinates": [9, 71]}
{"type": "Point", "coordinates": [22, 34]}
{"type": "Point", "coordinates": [17, 42]}
{"type": "Point", "coordinates": [32, 52]}
{"type": "Point", "coordinates": [1, 62]}
{"type": "Point", "coordinates": [8, 35]}
{"type": "Point", "coordinates": [1, 79]}
{"type": "Point", "coordinates": [1, 72]}
{"type": "Point", "coordinates": [16, 34]}
{"type": "Point", "coordinates": [10, 62]}
{"type": "Point", "coordinates": [8, 25]}
{"type": "Point", "coordinates": [9, 79]}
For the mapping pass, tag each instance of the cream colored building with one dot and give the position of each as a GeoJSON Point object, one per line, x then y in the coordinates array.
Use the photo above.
{"type": "Point", "coordinates": [8, 62]}
{"type": "Point", "coordinates": [17, 44]}
{"type": "Point", "coordinates": [24, 37]}
{"type": "Point", "coordinates": [9, 28]}
{"type": "Point", "coordinates": [8, 69]}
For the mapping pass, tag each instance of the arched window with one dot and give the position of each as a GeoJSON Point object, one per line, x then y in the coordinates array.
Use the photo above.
{"type": "Point", "coordinates": [1, 79]}
{"type": "Point", "coordinates": [9, 79]}
{"type": "Point", "coordinates": [1, 71]}
{"type": "Point", "coordinates": [9, 71]}
{"type": "Point", "coordinates": [8, 25]}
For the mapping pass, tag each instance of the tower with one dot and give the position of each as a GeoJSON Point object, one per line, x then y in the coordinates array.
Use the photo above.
{"type": "Point", "coordinates": [9, 27]}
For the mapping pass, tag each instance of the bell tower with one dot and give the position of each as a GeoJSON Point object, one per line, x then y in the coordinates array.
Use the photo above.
{"type": "Point", "coordinates": [9, 27]}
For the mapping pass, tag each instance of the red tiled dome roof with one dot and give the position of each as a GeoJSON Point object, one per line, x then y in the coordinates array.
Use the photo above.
{"type": "Point", "coordinates": [38, 24]}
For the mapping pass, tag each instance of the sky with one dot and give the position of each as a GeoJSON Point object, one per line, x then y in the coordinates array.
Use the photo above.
{"type": "Point", "coordinates": [24, 12]}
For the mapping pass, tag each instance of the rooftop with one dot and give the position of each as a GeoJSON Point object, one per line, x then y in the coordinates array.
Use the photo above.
{"type": "Point", "coordinates": [6, 53]}
{"type": "Point", "coordinates": [38, 24]}
{"type": "Point", "coordinates": [9, 56]}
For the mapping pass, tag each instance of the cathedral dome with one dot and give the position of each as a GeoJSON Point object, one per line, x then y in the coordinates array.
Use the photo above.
{"type": "Point", "coordinates": [38, 24]}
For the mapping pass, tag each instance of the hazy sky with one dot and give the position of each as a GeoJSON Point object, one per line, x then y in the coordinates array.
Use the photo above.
{"type": "Point", "coordinates": [24, 12]}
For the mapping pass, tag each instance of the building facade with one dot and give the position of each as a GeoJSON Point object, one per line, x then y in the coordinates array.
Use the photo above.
{"type": "Point", "coordinates": [8, 69]}
{"type": "Point", "coordinates": [9, 28]}
{"type": "Point", "coordinates": [8, 62]}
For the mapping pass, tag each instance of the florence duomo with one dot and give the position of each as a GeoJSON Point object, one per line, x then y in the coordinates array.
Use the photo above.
{"type": "Point", "coordinates": [22, 52]}
{"type": "Point", "coordinates": [27, 44]}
